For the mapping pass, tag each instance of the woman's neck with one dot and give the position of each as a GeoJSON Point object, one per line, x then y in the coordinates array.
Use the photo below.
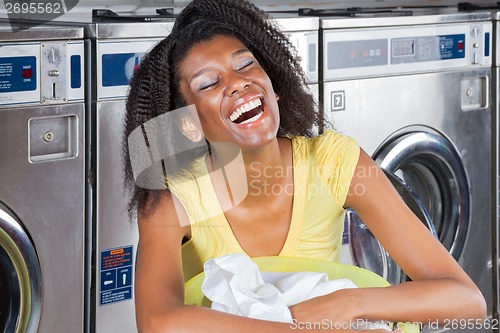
{"type": "Point", "coordinates": [267, 171]}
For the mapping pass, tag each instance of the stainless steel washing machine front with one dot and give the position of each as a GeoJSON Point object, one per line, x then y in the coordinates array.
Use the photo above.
{"type": "Point", "coordinates": [496, 153]}
{"type": "Point", "coordinates": [116, 50]}
{"type": "Point", "coordinates": [415, 92]}
{"type": "Point", "coordinates": [303, 33]}
{"type": "Point", "coordinates": [42, 216]}
{"type": "Point", "coordinates": [113, 49]}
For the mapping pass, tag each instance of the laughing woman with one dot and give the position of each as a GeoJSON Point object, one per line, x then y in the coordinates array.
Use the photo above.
{"type": "Point", "coordinates": [226, 59]}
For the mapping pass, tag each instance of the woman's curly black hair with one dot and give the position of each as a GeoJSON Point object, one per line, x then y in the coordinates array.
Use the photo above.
{"type": "Point", "coordinates": [154, 87]}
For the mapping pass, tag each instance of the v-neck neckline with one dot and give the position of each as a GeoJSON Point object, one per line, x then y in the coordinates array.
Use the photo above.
{"type": "Point", "coordinates": [297, 206]}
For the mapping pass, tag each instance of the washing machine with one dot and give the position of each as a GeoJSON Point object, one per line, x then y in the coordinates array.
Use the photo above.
{"type": "Point", "coordinates": [115, 46]}
{"type": "Point", "coordinates": [415, 91]}
{"type": "Point", "coordinates": [303, 33]}
{"type": "Point", "coordinates": [42, 177]}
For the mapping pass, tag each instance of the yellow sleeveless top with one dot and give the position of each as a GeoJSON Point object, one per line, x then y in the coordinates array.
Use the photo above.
{"type": "Point", "coordinates": [322, 171]}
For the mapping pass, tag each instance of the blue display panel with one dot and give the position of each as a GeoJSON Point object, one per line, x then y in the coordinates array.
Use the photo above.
{"type": "Point", "coordinates": [76, 71]}
{"type": "Point", "coordinates": [118, 68]}
{"type": "Point", "coordinates": [312, 58]}
{"type": "Point", "coordinates": [487, 44]}
{"type": "Point", "coordinates": [427, 48]}
{"type": "Point", "coordinates": [17, 74]}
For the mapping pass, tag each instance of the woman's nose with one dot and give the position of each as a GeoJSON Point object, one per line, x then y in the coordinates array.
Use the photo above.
{"type": "Point", "coordinates": [237, 83]}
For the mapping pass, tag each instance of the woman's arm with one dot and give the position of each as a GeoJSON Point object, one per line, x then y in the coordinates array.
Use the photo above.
{"type": "Point", "coordinates": [159, 287]}
{"type": "Point", "coordinates": [440, 288]}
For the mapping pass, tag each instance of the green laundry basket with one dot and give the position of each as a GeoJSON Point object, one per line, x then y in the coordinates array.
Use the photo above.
{"type": "Point", "coordinates": [361, 277]}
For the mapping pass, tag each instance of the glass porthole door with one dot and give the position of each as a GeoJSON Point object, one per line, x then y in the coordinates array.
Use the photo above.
{"type": "Point", "coordinates": [428, 173]}
{"type": "Point", "coordinates": [20, 277]}
{"type": "Point", "coordinates": [432, 167]}
{"type": "Point", "coordinates": [367, 252]}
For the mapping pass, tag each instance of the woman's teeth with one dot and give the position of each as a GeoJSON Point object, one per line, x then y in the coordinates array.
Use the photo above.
{"type": "Point", "coordinates": [254, 118]}
{"type": "Point", "coordinates": [249, 106]}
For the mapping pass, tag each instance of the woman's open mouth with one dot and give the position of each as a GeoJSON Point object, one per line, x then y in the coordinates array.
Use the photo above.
{"type": "Point", "coordinates": [247, 113]}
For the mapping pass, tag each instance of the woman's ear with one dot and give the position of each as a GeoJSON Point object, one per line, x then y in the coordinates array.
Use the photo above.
{"type": "Point", "coordinates": [189, 129]}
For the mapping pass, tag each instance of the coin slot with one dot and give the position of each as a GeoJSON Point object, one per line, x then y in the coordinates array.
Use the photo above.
{"type": "Point", "coordinates": [53, 76]}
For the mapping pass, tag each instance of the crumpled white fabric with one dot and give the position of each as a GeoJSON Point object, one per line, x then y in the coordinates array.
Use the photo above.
{"type": "Point", "coordinates": [235, 285]}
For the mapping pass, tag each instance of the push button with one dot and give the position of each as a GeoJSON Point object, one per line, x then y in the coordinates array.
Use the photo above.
{"type": "Point", "coordinates": [27, 73]}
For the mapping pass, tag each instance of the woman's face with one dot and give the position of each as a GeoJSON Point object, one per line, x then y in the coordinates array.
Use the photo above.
{"type": "Point", "coordinates": [233, 95]}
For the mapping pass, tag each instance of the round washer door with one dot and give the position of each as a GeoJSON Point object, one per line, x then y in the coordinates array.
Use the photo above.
{"type": "Point", "coordinates": [20, 277]}
{"type": "Point", "coordinates": [431, 166]}
{"type": "Point", "coordinates": [366, 250]}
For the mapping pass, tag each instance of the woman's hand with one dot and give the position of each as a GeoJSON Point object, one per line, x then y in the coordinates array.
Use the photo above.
{"type": "Point", "coordinates": [338, 311]}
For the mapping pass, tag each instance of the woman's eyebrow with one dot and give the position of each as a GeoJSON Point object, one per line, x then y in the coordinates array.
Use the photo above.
{"type": "Point", "coordinates": [198, 74]}
{"type": "Point", "coordinates": [237, 53]}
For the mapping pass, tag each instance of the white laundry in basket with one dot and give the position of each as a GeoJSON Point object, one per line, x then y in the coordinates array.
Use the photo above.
{"type": "Point", "coordinates": [235, 285]}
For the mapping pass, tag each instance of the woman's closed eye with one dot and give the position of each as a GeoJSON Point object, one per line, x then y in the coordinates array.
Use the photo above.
{"type": "Point", "coordinates": [210, 82]}
{"type": "Point", "coordinates": [245, 64]}
{"type": "Point", "coordinates": [207, 84]}
{"type": "Point", "coordinates": [207, 79]}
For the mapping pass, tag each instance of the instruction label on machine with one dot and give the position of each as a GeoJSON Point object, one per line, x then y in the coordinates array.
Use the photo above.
{"type": "Point", "coordinates": [116, 275]}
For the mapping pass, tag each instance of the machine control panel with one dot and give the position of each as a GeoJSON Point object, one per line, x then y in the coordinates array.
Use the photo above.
{"type": "Point", "coordinates": [427, 48]}
{"type": "Point", "coordinates": [350, 53]}
{"type": "Point", "coordinates": [118, 61]}
{"type": "Point", "coordinates": [41, 73]}
{"type": "Point", "coordinates": [17, 74]}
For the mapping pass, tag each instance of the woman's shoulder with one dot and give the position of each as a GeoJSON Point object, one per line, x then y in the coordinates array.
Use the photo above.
{"type": "Point", "coordinates": [163, 208]}
{"type": "Point", "coordinates": [327, 141]}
